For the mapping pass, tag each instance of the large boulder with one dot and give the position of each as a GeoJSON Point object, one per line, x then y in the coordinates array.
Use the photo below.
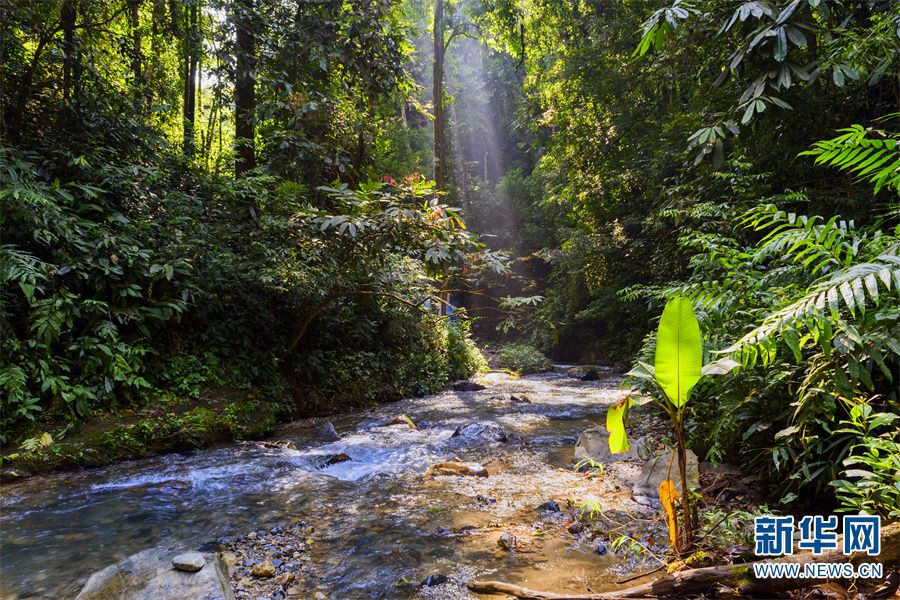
{"type": "Point", "coordinates": [656, 470]}
{"type": "Point", "coordinates": [593, 444]}
{"type": "Point", "coordinates": [151, 575]}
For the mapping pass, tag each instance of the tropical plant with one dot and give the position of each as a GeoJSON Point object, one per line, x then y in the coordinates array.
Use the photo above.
{"type": "Point", "coordinates": [678, 367]}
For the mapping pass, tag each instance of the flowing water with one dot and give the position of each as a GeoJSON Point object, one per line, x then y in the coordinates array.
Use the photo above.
{"type": "Point", "coordinates": [381, 526]}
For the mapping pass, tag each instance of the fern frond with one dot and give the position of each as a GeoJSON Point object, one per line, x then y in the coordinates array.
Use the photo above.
{"type": "Point", "coordinates": [853, 289]}
{"type": "Point", "coordinates": [872, 155]}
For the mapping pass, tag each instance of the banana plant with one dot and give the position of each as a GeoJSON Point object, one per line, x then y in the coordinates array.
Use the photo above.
{"type": "Point", "coordinates": [677, 368]}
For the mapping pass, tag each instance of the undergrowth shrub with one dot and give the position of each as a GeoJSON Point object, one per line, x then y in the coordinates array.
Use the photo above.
{"type": "Point", "coordinates": [464, 358]}
{"type": "Point", "coordinates": [522, 358]}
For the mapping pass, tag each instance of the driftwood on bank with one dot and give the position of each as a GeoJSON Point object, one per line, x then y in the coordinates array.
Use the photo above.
{"type": "Point", "coordinates": [699, 581]}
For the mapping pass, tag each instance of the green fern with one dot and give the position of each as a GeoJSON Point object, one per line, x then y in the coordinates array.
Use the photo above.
{"type": "Point", "coordinates": [854, 288]}
{"type": "Point", "coordinates": [872, 155]}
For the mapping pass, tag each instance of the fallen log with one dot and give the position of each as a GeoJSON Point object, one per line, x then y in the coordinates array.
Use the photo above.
{"type": "Point", "coordinates": [739, 577]}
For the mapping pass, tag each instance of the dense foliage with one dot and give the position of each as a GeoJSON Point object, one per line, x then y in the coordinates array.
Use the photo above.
{"type": "Point", "coordinates": [234, 194]}
{"type": "Point", "coordinates": [139, 268]}
{"type": "Point", "coordinates": [670, 155]}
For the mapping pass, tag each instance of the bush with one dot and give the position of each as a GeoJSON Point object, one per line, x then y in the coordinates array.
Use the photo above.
{"type": "Point", "coordinates": [133, 286]}
{"type": "Point", "coordinates": [522, 358]}
{"type": "Point", "coordinates": [463, 355]}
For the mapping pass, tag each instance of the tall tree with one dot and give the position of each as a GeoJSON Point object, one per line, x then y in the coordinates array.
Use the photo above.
{"type": "Point", "coordinates": [191, 61]}
{"type": "Point", "coordinates": [440, 146]}
{"type": "Point", "coordinates": [67, 18]}
{"type": "Point", "coordinates": [134, 22]}
{"type": "Point", "coordinates": [244, 88]}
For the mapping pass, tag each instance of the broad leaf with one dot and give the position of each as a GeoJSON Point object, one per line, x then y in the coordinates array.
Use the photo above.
{"type": "Point", "coordinates": [615, 425]}
{"type": "Point", "coordinates": [679, 351]}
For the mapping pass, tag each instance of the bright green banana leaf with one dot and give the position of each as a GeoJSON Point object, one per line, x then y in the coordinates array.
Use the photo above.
{"type": "Point", "coordinates": [615, 425]}
{"type": "Point", "coordinates": [679, 351]}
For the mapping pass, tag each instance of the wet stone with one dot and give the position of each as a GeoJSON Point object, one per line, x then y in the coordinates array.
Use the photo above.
{"type": "Point", "coordinates": [189, 561]}
{"type": "Point", "coordinates": [507, 541]}
{"type": "Point", "coordinates": [212, 546]}
{"type": "Point", "coordinates": [436, 579]}
{"type": "Point", "coordinates": [331, 459]}
{"type": "Point", "coordinates": [481, 432]}
{"type": "Point", "coordinates": [551, 506]}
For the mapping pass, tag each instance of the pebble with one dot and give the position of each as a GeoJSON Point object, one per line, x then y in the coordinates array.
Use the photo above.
{"type": "Point", "coordinates": [436, 579]}
{"type": "Point", "coordinates": [251, 535]}
{"type": "Point", "coordinates": [551, 506]}
{"type": "Point", "coordinates": [507, 541]}
{"type": "Point", "coordinates": [263, 569]}
{"type": "Point", "coordinates": [189, 561]}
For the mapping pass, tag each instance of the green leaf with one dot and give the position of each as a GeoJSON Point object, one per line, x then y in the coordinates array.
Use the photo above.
{"type": "Point", "coordinates": [781, 47]}
{"type": "Point", "coordinates": [679, 351]}
{"type": "Point", "coordinates": [615, 425]}
{"type": "Point", "coordinates": [722, 366]}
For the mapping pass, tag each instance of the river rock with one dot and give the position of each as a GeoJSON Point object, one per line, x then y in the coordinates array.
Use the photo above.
{"type": "Point", "coordinates": [656, 470]}
{"type": "Point", "coordinates": [466, 386]}
{"type": "Point", "coordinates": [327, 433]}
{"type": "Point", "coordinates": [402, 420]}
{"type": "Point", "coordinates": [211, 546]}
{"type": "Point", "coordinates": [327, 460]}
{"type": "Point", "coordinates": [189, 561]}
{"type": "Point", "coordinates": [593, 444]}
{"type": "Point", "coordinates": [591, 375]}
{"type": "Point", "coordinates": [481, 432]}
{"type": "Point", "coordinates": [507, 541]}
{"type": "Point", "coordinates": [455, 468]}
{"type": "Point", "coordinates": [436, 579]}
{"type": "Point", "coordinates": [263, 569]}
{"type": "Point", "coordinates": [550, 506]}
{"type": "Point", "coordinates": [585, 371]}
{"type": "Point", "coordinates": [7, 475]}
{"type": "Point", "coordinates": [148, 575]}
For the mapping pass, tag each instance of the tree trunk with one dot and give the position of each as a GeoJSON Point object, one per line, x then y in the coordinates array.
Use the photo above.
{"type": "Point", "coordinates": [191, 58]}
{"type": "Point", "coordinates": [438, 96]}
{"type": "Point", "coordinates": [67, 22]}
{"type": "Point", "coordinates": [134, 22]}
{"type": "Point", "coordinates": [244, 89]}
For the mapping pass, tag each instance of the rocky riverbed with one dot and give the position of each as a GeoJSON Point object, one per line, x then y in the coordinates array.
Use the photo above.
{"type": "Point", "coordinates": [359, 509]}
